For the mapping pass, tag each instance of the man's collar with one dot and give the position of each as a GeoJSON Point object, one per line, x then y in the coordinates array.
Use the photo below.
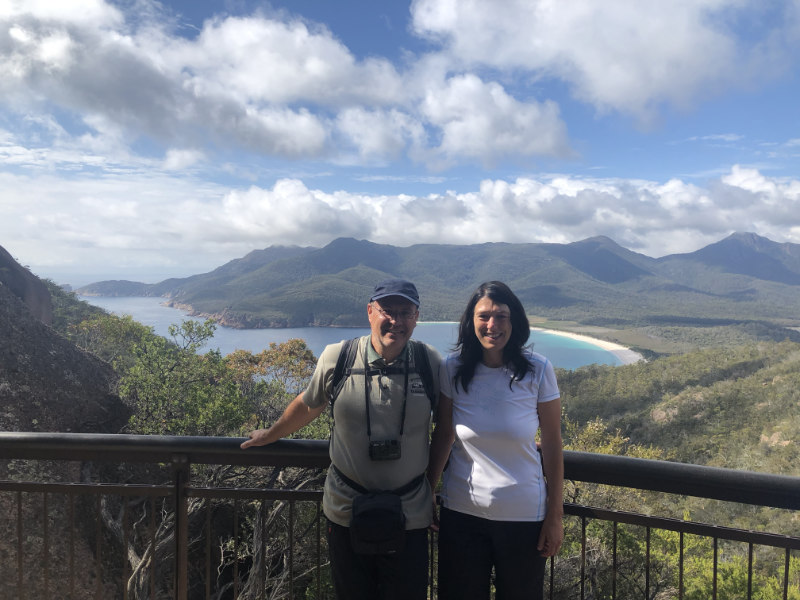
{"type": "Point", "coordinates": [373, 356]}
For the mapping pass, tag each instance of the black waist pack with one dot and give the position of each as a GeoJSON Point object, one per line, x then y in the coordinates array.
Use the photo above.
{"type": "Point", "coordinates": [378, 525]}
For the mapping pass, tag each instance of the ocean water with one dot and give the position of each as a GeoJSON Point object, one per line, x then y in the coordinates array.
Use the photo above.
{"type": "Point", "coordinates": [562, 351]}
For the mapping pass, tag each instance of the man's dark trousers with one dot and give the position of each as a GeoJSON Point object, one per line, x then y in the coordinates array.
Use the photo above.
{"type": "Point", "coordinates": [401, 576]}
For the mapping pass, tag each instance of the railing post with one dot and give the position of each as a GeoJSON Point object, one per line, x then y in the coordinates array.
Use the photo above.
{"type": "Point", "coordinates": [180, 473]}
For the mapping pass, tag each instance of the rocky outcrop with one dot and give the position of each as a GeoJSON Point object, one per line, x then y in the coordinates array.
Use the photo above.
{"type": "Point", "coordinates": [49, 384]}
{"type": "Point", "coordinates": [26, 286]}
{"type": "Point", "coordinates": [46, 382]}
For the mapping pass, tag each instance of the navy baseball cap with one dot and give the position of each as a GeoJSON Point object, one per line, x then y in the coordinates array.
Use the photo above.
{"type": "Point", "coordinates": [396, 287]}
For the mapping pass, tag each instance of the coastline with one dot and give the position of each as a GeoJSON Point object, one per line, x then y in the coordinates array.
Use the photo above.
{"type": "Point", "coordinates": [624, 354]}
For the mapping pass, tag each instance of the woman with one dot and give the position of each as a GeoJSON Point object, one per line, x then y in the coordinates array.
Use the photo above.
{"type": "Point", "coordinates": [497, 510]}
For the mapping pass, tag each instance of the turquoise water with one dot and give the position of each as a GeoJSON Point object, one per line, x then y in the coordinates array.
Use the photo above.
{"type": "Point", "coordinates": [563, 352]}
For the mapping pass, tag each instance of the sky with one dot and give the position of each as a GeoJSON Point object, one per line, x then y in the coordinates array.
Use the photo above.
{"type": "Point", "coordinates": [144, 140]}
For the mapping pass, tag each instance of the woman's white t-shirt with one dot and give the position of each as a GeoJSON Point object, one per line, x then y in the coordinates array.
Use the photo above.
{"type": "Point", "coordinates": [495, 471]}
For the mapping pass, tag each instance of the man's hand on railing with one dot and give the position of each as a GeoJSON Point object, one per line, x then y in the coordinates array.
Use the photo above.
{"type": "Point", "coordinates": [258, 437]}
{"type": "Point", "coordinates": [296, 416]}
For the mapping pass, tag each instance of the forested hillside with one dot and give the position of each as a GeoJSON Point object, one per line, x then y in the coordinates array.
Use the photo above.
{"type": "Point", "coordinates": [736, 407]}
{"type": "Point", "coordinates": [592, 282]}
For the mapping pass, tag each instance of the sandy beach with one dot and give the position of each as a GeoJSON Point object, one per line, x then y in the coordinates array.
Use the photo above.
{"type": "Point", "coordinates": [626, 355]}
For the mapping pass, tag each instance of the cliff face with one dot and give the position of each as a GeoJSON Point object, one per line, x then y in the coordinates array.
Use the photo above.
{"type": "Point", "coordinates": [26, 286]}
{"type": "Point", "coordinates": [46, 382]}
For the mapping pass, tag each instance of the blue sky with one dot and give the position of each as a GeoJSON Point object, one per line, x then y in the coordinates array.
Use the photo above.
{"type": "Point", "coordinates": [144, 140]}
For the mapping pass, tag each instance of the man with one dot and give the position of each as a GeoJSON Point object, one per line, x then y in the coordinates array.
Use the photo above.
{"type": "Point", "coordinates": [380, 437]}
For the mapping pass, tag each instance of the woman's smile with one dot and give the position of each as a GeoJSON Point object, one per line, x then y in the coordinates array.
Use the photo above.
{"type": "Point", "coordinates": [492, 323]}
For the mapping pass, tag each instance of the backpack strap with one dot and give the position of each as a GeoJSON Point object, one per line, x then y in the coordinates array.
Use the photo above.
{"type": "Point", "coordinates": [343, 368]}
{"type": "Point", "coordinates": [422, 365]}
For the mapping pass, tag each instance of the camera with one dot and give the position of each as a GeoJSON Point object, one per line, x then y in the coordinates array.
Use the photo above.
{"type": "Point", "coordinates": [384, 450]}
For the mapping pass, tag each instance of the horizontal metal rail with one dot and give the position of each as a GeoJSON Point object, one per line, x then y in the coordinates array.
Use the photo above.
{"type": "Point", "coordinates": [712, 531]}
{"type": "Point", "coordinates": [732, 485]}
{"type": "Point", "coordinates": [160, 448]}
{"type": "Point", "coordinates": [747, 487]}
{"type": "Point", "coordinates": [180, 453]}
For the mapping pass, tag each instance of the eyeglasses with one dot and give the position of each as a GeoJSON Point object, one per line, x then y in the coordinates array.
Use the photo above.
{"type": "Point", "coordinates": [396, 315]}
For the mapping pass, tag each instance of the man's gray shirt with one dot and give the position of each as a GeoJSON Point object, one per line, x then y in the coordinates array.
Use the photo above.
{"type": "Point", "coordinates": [349, 440]}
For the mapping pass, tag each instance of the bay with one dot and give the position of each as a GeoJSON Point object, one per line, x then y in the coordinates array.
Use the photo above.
{"type": "Point", "coordinates": [563, 352]}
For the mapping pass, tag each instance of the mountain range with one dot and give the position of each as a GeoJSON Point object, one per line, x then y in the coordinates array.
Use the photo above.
{"type": "Point", "coordinates": [594, 281]}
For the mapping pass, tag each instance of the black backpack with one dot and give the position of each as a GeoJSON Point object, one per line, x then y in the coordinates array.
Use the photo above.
{"type": "Point", "coordinates": [347, 356]}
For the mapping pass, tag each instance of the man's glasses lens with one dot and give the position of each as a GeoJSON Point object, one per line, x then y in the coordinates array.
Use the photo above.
{"type": "Point", "coordinates": [396, 315]}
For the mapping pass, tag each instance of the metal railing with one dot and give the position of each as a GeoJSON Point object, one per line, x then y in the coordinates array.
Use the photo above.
{"type": "Point", "coordinates": [129, 537]}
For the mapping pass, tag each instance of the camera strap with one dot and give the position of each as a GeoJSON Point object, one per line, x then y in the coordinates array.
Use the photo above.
{"type": "Point", "coordinates": [369, 372]}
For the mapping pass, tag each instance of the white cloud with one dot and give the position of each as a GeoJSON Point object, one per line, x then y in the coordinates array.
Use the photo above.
{"type": "Point", "coordinates": [773, 203]}
{"type": "Point", "coordinates": [273, 87]}
{"type": "Point", "coordinates": [627, 55]}
{"type": "Point", "coordinates": [262, 60]}
{"type": "Point", "coordinates": [379, 135]}
{"type": "Point", "coordinates": [750, 180]}
{"type": "Point", "coordinates": [280, 131]}
{"type": "Point", "coordinates": [181, 92]}
{"type": "Point", "coordinates": [717, 137]}
{"type": "Point", "coordinates": [177, 159]}
{"type": "Point", "coordinates": [480, 120]}
{"type": "Point", "coordinates": [94, 12]}
{"type": "Point", "coordinates": [290, 213]}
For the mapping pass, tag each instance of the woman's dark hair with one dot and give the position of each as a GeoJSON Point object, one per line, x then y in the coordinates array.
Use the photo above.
{"type": "Point", "coordinates": [470, 348]}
